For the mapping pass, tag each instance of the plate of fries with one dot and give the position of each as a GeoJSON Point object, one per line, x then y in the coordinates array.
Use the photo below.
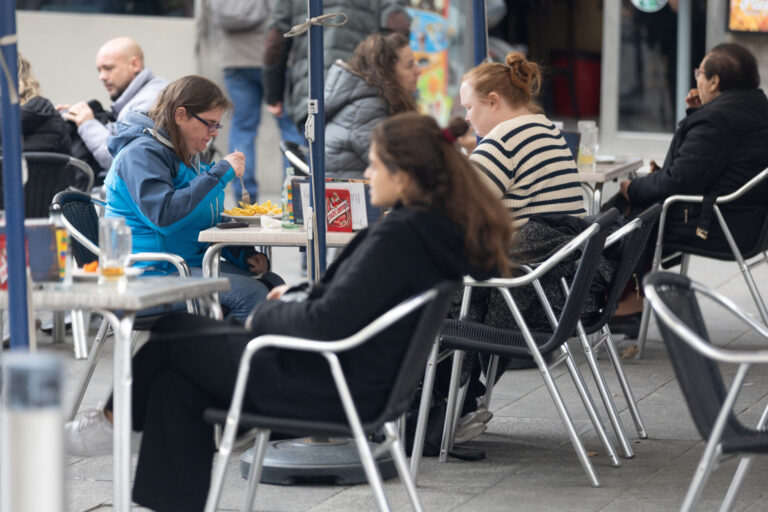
{"type": "Point", "coordinates": [252, 213]}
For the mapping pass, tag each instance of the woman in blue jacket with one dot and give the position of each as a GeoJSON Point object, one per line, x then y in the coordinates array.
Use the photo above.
{"type": "Point", "coordinates": [167, 195]}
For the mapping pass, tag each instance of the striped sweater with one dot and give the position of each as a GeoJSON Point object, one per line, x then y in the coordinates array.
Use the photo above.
{"type": "Point", "coordinates": [527, 163]}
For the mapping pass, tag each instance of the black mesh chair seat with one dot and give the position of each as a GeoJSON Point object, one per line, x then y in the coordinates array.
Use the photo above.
{"type": "Point", "coordinates": [472, 336]}
{"type": "Point", "coordinates": [48, 174]}
{"type": "Point", "coordinates": [290, 426]}
{"type": "Point", "coordinates": [696, 361]}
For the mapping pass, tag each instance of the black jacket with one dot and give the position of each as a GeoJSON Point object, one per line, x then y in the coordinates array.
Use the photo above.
{"type": "Point", "coordinates": [405, 253]}
{"type": "Point", "coordinates": [716, 149]}
{"type": "Point", "coordinates": [43, 128]}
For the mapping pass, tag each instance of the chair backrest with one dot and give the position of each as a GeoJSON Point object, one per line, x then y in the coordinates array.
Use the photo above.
{"type": "Point", "coordinates": [411, 369]}
{"type": "Point", "coordinates": [49, 173]}
{"type": "Point", "coordinates": [78, 208]}
{"type": "Point", "coordinates": [699, 377]}
{"type": "Point", "coordinates": [632, 247]}
{"type": "Point", "coordinates": [572, 139]}
{"type": "Point", "coordinates": [582, 280]}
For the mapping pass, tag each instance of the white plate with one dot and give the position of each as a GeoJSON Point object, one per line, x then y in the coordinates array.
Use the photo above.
{"type": "Point", "coordinates": [605, 159]}
{"type": "Point", "coordinates": [249, 219]}
{"type": "Point", "coordinates": [82, 275]}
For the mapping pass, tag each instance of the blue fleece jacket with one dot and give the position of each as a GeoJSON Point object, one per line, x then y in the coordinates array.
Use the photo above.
{"type": "Point", "coordinates": [165, 202]}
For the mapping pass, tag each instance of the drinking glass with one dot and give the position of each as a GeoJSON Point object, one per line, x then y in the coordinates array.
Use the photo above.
{"type": "Point", "coordinates": [115, 248]}
{"type": "Point", "coordinates": [588, 144]}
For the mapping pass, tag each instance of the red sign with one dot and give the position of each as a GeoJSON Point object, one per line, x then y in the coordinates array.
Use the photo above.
{"type": "Point", "coordinates": [338, 208]}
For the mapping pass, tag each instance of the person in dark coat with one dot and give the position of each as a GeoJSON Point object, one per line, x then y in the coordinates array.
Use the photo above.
{"type": "Point", "coordinates": [379, 80]}
{"type": "Point", "coordinates": [717, 148]}
{"type": "Point", "coordinates": [42, 127]}
{"type": "Point", "coordinates": [429, 236]}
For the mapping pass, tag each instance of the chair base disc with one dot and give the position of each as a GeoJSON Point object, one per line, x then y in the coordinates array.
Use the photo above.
{"type": "Point", "coordinates": [307, 461]}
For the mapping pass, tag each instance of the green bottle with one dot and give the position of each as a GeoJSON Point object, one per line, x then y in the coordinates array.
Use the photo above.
{"type": "Point", "coordinates": [286, 200]}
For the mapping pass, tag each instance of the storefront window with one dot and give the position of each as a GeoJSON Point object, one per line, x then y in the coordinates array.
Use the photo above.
{"type": "Point", "coordinates": [179, 8]}
{"type": "Point", "coordinates": [648, 65]}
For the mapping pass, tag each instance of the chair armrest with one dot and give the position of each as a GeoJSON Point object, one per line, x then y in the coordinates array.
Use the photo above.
{"type": "Point", "coordinates": [542, 268]}
{"type": "Point", "coordinates": [177, 261]}
{"type": "Point", "coordinates": [350, 342]}
{"type": "Point", "coordinates": [723, 355]}
{"type": "Point", "coordinates": [83, 166]}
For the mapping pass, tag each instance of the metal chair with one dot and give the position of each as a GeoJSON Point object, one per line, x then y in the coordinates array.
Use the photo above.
{"type": "Point", "coordinates": [49, 173]}
{"type": "Point", "coordinates": [76, 211]}
{"type": "Point", "coordinates": [460, 335]}
{"type": "Point", "coordinates": [633, 237]}
{"type": "Point", "coordinates": [430, 306]}
{"type": "Point", "coordinates": [695, 360]}
{"type": "Point", "coordinates": [760, 246]}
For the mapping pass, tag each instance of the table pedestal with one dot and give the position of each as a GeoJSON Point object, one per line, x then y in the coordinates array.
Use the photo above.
{"type": "Point", "coordinates": [309, 461]}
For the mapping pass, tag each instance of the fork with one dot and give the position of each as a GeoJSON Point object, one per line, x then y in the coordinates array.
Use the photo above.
{"type": "Point", "coordinates": [245, 197]}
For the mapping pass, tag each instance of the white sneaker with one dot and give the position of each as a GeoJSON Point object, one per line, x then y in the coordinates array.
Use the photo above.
{"type": "Point", "coordinates": [88, 435]}
{"type": "Point", "coordinates": [468, 432]}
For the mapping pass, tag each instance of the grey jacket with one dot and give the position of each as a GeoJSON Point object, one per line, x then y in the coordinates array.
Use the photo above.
{"type": "Point", "coordinates": [365, 17]}
{"type": "Point", "coordinates": [139, 96]}
{"type": "Point", "coordinates": [352, 109]}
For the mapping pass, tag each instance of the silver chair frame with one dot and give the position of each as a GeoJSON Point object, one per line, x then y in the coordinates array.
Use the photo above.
{"type": "Point", "coordinates": [329, 350]}
{"type": "Point", "coordinates": [744, 358]}
{"type": "Point", "coordinates": [605, 338]}
{"type": "Point", "coordinates": [453, 407]}
{"type": "Point", "coordinates": [743, 266]}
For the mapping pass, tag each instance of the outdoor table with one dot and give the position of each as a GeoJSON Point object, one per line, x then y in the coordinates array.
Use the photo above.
{"type": "Point", "coordinates": [257, 235]}
{"type": "Point", "coordinates": [592, 181]}
{"type": "Point", "coordinates": [120, 309]}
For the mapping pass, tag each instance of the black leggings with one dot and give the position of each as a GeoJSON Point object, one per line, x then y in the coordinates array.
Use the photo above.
{"type": "Point", "coordinates": [174, 381]}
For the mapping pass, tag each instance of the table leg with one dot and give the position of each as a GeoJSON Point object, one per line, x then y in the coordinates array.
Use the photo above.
{"type": "Point", "coordinates": [211, 262]}
{"type": "Point", "coordinates": [123, 379]}
{"type": "Point", "coordinates": [597, 197]}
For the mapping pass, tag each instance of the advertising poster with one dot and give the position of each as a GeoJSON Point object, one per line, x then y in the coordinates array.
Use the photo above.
{"type": "Point", "coordinates": [430, 38]}
{"type": "Point", "coordinates": [748, 16]}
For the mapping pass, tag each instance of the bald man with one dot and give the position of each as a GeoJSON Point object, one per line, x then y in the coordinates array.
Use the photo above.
{"type": "Point", "coordinates": [131, 86]}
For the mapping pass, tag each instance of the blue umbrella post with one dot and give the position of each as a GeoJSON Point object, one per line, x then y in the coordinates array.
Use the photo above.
{"type": "Point", "coordinates": [13, 192]}
{"type": "Point", "coordinates": [480, 30]}
{"type": "Point", "coordinates": [315, 133]}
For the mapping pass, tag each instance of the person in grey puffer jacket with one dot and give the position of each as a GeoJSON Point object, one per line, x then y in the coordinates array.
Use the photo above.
{"type": "Point", "coordinates": [131, 87]}
{"type": "Point", "coordinates": [280, 54]}
{"type": "Point", "coordinates": [378, 81]}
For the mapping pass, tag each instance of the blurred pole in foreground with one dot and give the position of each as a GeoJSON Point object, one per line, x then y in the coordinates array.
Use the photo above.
{"type": "Point", "coordinates": [31, 434]}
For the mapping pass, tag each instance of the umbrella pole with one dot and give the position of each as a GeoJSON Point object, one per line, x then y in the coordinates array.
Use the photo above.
{"type": "Point", "coordinates": [13, 190]}
{"type": "Point", "coordinates": [315, 132]}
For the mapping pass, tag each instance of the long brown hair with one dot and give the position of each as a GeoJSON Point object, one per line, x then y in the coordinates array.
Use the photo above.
{"type": "Point", "coordinates": [518, 81]}
{"type": "Point", "coordinates": [375, 59]}
{"type": "Point", "coordinates": [445, 180]}
{"type": "Point", "coordinates": [29, 87]}
{"type": "Point", "coordinates": [196, 94]}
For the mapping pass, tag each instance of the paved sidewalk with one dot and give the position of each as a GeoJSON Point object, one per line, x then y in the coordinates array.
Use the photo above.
{"type": "Point", "coordinates": [530, 463]}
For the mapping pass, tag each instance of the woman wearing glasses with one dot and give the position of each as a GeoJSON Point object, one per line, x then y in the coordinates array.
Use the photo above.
{"type": "Point", "coordinates": [167, 195]}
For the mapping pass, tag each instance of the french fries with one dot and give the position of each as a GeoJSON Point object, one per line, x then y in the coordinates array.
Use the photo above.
{"type": "Point", "coordinates": [247, 210]}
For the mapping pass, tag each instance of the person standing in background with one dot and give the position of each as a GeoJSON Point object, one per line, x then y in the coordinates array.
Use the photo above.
{"type": "Point", "coordinates": [242, 59]}
{"type": "Point", "coordinates": [282, 54]}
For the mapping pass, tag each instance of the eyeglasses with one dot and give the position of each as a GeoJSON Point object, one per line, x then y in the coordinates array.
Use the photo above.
{"type": "Point", "coordinates": [212, 127]}
{"type": "Point", "coordinates": [697, 73]}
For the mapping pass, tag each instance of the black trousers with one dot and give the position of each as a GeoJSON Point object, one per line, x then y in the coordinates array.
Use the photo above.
{"type": "Point", "coordinates": [174, 381]}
